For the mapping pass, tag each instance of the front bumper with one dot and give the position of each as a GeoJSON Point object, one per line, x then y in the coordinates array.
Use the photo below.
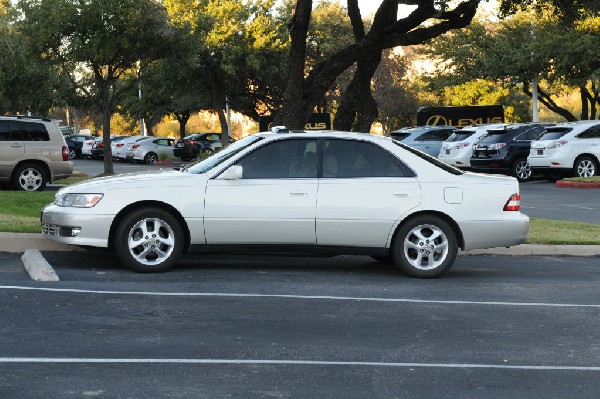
{"type": "Point", "coordinates": [75, 226]}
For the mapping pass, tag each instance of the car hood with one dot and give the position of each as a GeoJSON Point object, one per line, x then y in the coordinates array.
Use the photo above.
{"type": "Point", "coordinates": [160, 180]}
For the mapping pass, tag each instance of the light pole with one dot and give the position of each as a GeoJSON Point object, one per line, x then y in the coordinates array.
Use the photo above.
{"type": "Point", "coordinates": [535, 117]}
{"type": "Point", "coordinates": [142, 125]}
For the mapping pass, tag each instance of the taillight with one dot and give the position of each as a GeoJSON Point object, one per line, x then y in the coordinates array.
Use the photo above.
{"type": "Point", "coordinates": [65, 153]}
{"type": "Point", "coordinates": [133, 147]}
{"type": "Point", "coordinates": [497, 146]}
{"type": "Point", "coordinates": [513, 203]}
{"type": "Point", "coordinates": [461, 146]}
{"type": "Point", "coordinates": [557, 144]}
{"type": "Point", "coordinates": [120, 145]}
{"type": "Point", "coordinates": [192, 142]}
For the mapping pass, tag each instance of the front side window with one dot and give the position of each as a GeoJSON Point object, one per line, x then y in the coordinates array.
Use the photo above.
{"type": "Point", "coordinates": [351, 159]}
{"type": "Point", "coordinates": [283, 159]}
{"type": "Point", "coordinates": [4, 130]}
{"type": "Point", "coordinates": [221, 156]}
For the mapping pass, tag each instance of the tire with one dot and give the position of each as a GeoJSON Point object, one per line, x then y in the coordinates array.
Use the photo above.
{"type": "Point", "coordinates": [585, 166]}
{"type": "Point", "coordinates": [150, 158]}
{"type": "Point", "coordinates": [207, 151]}
{"type": "Point", "coordinates": [425, 247]}
{"type": "Point", "coordinates": [383, 259]}
{"type": "Point", "coordinates": [29, 177]}
{"type": "Point", "coordinates": [72, 154]}
{"type": "Point", "coordinates": [555, 176]}
{"type": "Point", "coordinates": [149, 240]}
{"type": "Point", "coordinates": [521, 170]}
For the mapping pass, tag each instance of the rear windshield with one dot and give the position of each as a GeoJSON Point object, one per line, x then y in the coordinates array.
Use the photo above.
{"type": "Point", "coordinates": [555, 133]}
{"type": "Point", "coordinates": [399, 136]}
{"type": "Point", "coordinates": [494, 136]}
{"type": "Point", "coordinates": [442, 165]}
{"type": "Point", "coordinates": [461, 135]}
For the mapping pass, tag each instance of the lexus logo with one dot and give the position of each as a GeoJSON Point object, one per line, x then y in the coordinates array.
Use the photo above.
{"type": "Point", "coordinates": [437, 120]}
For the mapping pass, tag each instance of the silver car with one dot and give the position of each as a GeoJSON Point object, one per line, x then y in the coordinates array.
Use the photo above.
{"type": "Point", "coordinates": [150, 149]}
{"type": "Point", "coordinates": [33, 152]}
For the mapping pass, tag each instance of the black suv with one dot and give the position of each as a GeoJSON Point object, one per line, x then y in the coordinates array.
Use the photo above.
{"type": "Point", "coordinates": [506, 150]}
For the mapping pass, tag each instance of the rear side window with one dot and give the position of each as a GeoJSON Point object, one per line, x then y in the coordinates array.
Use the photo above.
{"type": "Point", "coordinates": [591, 133]}
{"type": "Point", "coordinates": [531, 134]}
{"type": "Point", "coordinates": [29, 131]}
{"type": "Point", "coordinates": [555, 133]}
{"type": "Point", "coordinates": [352, 159]}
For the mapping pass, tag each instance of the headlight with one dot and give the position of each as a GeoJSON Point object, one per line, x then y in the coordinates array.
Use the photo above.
{"type": "Point", "coordinates": [77, 200]}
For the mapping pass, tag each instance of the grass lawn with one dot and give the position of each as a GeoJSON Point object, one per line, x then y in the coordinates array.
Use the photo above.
{"type": "Point", "coordinates": [20, 213]}
{"type": "Point", "coordinates": [593, 179]}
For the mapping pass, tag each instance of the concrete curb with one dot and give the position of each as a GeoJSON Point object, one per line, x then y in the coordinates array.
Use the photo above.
{"type": "Point", "coordinates": [20, 242]}
{"type": "Point", "coordinates": [37, 267]}
{"type": "Point", "coordinates": [576, 184]}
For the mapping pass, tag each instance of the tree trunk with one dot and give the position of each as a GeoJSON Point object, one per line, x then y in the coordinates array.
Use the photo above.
{"type": "Point", "coordinates": [547, 101]}
{"type": "Point", "coordinates": [294, 114]}
{"type": "Point", "coordinates": [104, 89]}
{"type": "Point", "coordinates": [223, 122]}
{"type": "Point", "coordinates": [182, 118]}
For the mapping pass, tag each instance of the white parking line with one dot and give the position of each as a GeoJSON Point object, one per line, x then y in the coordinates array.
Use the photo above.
{"type": "Point", "coordinates": [306, 297]}
{"type": "Point", "coordinates": [579, 207]}
{"type": "Point", "coordinates": [294, 363]}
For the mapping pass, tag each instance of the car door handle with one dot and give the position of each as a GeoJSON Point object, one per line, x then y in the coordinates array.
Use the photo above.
{"type": "Point", "coordinates": [16, 145]}
{"type": "Point", "coordinates": [298, 193]}
{"type": "Point", "coordinates": [398, 194]}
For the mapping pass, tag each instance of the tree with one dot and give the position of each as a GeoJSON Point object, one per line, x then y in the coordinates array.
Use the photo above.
{"type": "Point", "coordinates": [428, 20]}
{"type": "Point", "coordinates": [27, 84]}
{"type": "Point", "coordinates": [96, 43]}
{"type": "Point", "coordinates": [514, 51]}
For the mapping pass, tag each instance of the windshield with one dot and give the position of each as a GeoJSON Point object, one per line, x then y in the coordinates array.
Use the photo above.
{"type": "Point", "coordinates": [214, 160]}
{"type": "Point", "coordinates": [556, 133]}
{"type": "Point", "coordinates": [460, 135]}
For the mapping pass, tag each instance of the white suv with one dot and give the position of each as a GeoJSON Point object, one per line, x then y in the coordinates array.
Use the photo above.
{"type": "Point", "coordinates": [458, 148]}
{"type": "Point", "coordinates": [33, 152]}
{"type": "Point", "coordinates": [567, 149]}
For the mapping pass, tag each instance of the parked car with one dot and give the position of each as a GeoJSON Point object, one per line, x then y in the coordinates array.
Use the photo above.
{"type": "Point", "coordinates": [271, 192]}
{"type": "Point", "coordinates": [87, 145]}
{"type": "Point", "coordinates": [75, 144]}
{"type": "Point", "coordinates": [458, 149]}
{"type": "Point", "coordinates": [205, 143]}
{"type": "Point", "coordinates": [424, 138]}
{"type": "Point", "coordinates": [505, 150]}
{"type": "Point", "coordinates": [567, 149]}
{"type": "Point", "coordinates": [33, 153]}
{"type": "Point", "coordinates": [150, 150]}
{"type": "Point", "coordinates": [119, 147]}
{"type": "Point", "coordinates": [98, 146]}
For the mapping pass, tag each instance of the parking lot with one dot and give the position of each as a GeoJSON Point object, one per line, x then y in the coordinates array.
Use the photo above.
{"type": "Point", "coordinates": [240, 326]}
{"type": "Point", "coordinates": [258, 326]}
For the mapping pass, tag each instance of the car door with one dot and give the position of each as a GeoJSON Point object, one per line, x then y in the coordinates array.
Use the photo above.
{"type": "Point", "coordinates": [11, 150]}
{"type": "Point", "coordinates": [273, 203]}
{"type": "Point", "coordinates": [364, 190]}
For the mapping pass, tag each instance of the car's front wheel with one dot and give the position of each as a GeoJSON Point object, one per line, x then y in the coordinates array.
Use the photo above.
{"type": "Point", "coordinates": [585, 166]}
{"type": "Point", "coordinates": [149, 240]}
{"type": "Point", "coordinates": [521, 170]}
{"type": "Point", "coordinates": [29, 177]}
{"type": "Point", "coordinates": [425, 246]}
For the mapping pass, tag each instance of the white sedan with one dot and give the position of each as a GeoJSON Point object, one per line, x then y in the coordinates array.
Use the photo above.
{"type": "Point", "coordinates": [310, 192]}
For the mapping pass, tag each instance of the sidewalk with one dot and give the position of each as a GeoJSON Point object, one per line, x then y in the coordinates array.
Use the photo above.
{"type": "Point", "coordinates": [19, 242]}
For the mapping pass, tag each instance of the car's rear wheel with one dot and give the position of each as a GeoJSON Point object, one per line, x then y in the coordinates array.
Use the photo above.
{"type": "Point", "coordinates": [521, 170]}
{"type": "Point", "coordinates": [150, 158]}
{"type": "Point", "coordinates": [425, 246]}
{"type": "Point", "coordinates": [149, 240]}
{"type": "Point", "coordinates": [585, 166]}
{"type": "Point", "coordinates": [29, 177]}
{"type": "Point", "coordinates": [72, 153]}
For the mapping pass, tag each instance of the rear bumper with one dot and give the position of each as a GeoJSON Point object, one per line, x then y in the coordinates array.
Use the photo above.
{"type": "Point", "coordinates": [512, 230]}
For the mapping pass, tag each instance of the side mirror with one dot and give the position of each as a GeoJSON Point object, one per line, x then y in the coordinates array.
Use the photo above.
{"type": "Point", "coordinates": [234, 172]}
